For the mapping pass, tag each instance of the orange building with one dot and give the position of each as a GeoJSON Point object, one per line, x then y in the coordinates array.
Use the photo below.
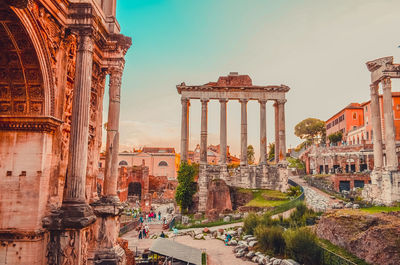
{"type": "Point", "coordinates": [349, 118]}
{"type": "Point", "coordinates": [364, 132]}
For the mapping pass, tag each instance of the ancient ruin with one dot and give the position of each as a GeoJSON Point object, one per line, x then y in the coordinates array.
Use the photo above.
{"type": "Point", "coordinates": [385, 177]}
{"type": "Point", "coordinates": [241, 88]}
{"type": "Point", "coordinates": [55, 58]}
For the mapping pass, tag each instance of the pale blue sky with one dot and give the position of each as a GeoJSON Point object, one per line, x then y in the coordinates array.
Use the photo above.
{"type": "Point", "coordinates": [318, 48]}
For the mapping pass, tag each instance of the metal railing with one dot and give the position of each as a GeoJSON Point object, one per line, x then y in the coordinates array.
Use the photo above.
{"type": "Point", "coordinates": [331, 258]}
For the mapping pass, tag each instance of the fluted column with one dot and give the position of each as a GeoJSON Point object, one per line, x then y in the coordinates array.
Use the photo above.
{"type": "Point", "coordinates": [78, 144]}
{"type": "Point", "coordinates": [203, 133]}
{"type": "Point", "coordinates": [223, 133]}
{"type": "Point", "coordinates": [185, 129]}
{"type": "Point", "coordinates": [112, 145]}
{"type": "Point", "coordinates": [263, 132]}
{"type": "Point", "coordinates": [390, 139]}
{"type": "Point", "coordinates": [243, 132]}
{"type": "Point", "coordinates": [282, 130]}
{"type": "Point", "coordinates": [376, 127]}
{"type": "Point", "coordinates": [276, 132]}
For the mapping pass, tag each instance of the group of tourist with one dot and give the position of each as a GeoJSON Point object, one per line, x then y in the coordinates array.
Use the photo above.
{"type": "Point", "coordinates": [144, 231]}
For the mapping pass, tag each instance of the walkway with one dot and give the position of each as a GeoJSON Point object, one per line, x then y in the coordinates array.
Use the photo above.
{"type": "Point", "coordinates": [315, 198]}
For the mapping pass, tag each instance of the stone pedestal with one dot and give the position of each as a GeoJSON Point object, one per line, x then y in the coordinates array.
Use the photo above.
{"type": "Point", "coordinates": [106, 230]}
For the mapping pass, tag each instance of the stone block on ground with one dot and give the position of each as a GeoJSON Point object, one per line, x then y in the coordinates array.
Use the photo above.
{"type": "Point", "coordinates": [289, 262]}
{"type": "Point", "coordinates": [252, 238]}
{"type": "Point", "coordinates": [233, 242]}
{"type": "Point", "coordinates": [253, 243]}
{"type": "Point", "coordinates": [206, 230]}
{"type": "Point", "coordinates": [247, 236]}
{"type": "Point", "coordinates": [185, 220]}
{"type": "Point", "coordinates": [250, 255]}
{"type": "Point", "coordinates": [277, 262]}
{"type": "Point", "coordinates": [227, 218]}
{"type": "Point", "coordinates": [255, 259]}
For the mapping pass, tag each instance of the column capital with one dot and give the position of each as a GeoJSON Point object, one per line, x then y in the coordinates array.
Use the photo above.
{"type": "Point", "coordinates": [185, 100]}
{"type": "Point", "coordinates": [374, 87]}
{"type": "Point", "coordinates": [262, 101]}
{"type": "Point", "coordinates": [243, 100]}
{"type": "Point", "coordinates": [223, 100]}
{"type": "Point", "coordinates": [386, 83]}
{"type": "Point", "coordinates": [281, 101]}
{"type": "Point", "coordinates": [204, 100]}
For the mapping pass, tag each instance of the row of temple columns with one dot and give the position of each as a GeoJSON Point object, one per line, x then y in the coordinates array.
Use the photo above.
{"type": "Point", "coordinates": [78, 147]}
{"type": "Point", "coordinates": [280, 139]}
{"type": "Point", "coordinates": [390, 140]}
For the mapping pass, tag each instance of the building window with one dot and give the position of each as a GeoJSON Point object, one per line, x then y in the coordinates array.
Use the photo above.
{"type": "Point", "coordinates": [163, 164]}
{"type": "Point", "coordinates": [123, 163]}
{"type": "Point", "coordinates": [397, 107]}
{"type": "Point", "coordinates": [366, 108]}
{"type": "Point", "coordinates": [354, 116]}
{"type": "Point", "coordinates": [367, 136]}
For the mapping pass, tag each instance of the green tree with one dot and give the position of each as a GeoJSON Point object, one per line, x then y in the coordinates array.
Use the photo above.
{"type": "Point", "coordinates": [271, 151]}
{"type": "Point", "coordinates": [311, 129]}
{"type": "Point", "coordinates": [250, 154]}
{"type": "Point", "coordinates": [186, 186]}
{"type": "Point", "coordinates": [336, 137]}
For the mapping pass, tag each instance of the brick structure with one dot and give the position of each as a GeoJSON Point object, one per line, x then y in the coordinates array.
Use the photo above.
{"type": "Point", "coordinates": [55, 57]}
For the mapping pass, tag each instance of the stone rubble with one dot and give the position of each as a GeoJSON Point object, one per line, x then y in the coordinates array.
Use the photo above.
{"type": "Point", "coordinates": [243, 248]}
{"type": "Point", "coordinates": [315, 201]}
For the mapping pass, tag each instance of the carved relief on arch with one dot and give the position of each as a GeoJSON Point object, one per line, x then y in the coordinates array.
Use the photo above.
{"type": "Point", "coordinates": [21, 79]}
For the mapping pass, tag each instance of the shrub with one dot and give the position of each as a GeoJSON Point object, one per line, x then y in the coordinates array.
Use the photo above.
{"type": "Point", "coordinates": [250, 223]}
{"type": "Point", "coordinates": [294, 191]}
{"type": "Point", "coordinates": [301, 245]}
{"type": "Point", "coordinates": [270, 239]}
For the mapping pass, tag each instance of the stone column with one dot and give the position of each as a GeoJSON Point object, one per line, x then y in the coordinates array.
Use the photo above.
{"type": "Point", "coordinates": [376, 127]}
{"type": "Point", "coordinates": [185, 129]}
{"type": "Point", "coordinates": [276, 132]}
{"type": "Point", "coordinates": [263, 132]}
{"type": "Point", "coordinates": [112, 145]}
{"type": "Point", "coordinates": [77, 212]}
{"type": "Point", "coordinates": [390, 136]}
{"type": "Point", "coordinates": [223, 134]}
{"type": "Point", "coordinates": [203, 133]}
{"type": "Point", "coordinates": [243, 132]}
{"type": "Point", "coordinates": [282, 130]}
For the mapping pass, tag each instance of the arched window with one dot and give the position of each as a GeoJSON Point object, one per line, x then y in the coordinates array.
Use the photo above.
{"type": "Point", "coordinates": [123, 163]}
{"type": "Point", "coordinates": [163, 164]}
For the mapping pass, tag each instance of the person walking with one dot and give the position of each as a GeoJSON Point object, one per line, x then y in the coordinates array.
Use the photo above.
{"type": "Point", "coordinates": [159, 215]}
{"type": "Point", "coordinates": [140, 234]}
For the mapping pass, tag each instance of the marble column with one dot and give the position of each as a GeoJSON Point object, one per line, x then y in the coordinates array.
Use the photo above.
{"type": "Point", "coordinates": [276, 132]}
{"type": "Point", "coordinates": [185, 129]}
{"type": "Point", "coordinates": [78, 144]}
{"type": "Point", "coordinates": [282, 130]}
{"type": "Point", "coordinates": [263, 132]}
{"type": "Point", "coordinates": [390, 135]}
{"type": "Point", "coordinates": [203, 133]}
{"type": "Point", "coordinates": [112, 144]}
{"type": "Point", "coordinates": [243, 132]}
{"type": "Point", "coordinates": [376, 127]}
{"type": "Point", "coordinates": [223, 133]}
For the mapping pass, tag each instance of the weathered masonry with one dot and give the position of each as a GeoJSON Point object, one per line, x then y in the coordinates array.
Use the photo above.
{"type": "Point", "coordinates": [55, 57]}
{"type": "Point", "coordinates": [385, 178]}
{"type": "Point", "coordinates": [237, 87]}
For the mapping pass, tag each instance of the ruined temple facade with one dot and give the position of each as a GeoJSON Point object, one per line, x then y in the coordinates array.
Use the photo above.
{"type": "Point", "coordinates": [241, 88]}
{"type": "Point", "coordinates": [55, 57]}
{"type": "Point", "coordinates": [385, 177]}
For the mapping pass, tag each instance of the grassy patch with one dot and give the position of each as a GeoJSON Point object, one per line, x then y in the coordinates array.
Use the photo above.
{"type": "Point", "coordinates": [341, 252]}
{"type": "Point", "coordinates": [378, 209]}
{"type": "Point", "coordinates": [266, 198]}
